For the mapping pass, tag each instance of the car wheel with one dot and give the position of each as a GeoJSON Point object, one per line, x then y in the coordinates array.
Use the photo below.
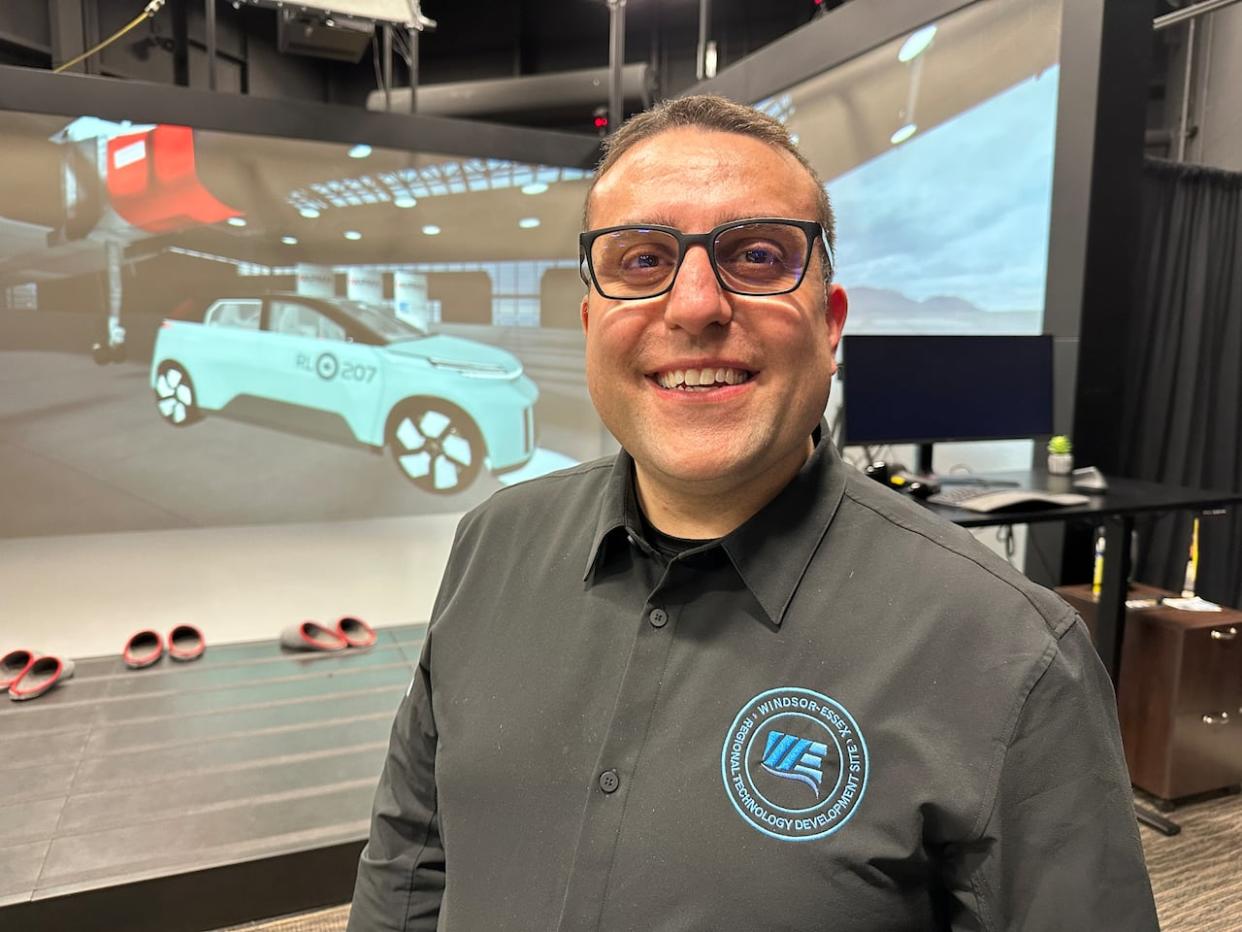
{"type": "Point", "coordinates": [436, 446]}
{"type": "Point", "coordinates": [174, 395]}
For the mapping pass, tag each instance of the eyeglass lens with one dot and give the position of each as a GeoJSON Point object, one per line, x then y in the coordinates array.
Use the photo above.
{"type": "Point", "coordinates": [754, 258]}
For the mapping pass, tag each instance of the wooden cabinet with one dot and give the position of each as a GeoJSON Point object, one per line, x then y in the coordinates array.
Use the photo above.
{"type": "Point", "coordinates": [1180, 694]}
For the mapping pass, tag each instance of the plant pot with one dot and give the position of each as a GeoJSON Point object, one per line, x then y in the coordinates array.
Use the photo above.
{"type": "Point", "coordinates": [1060, 464]}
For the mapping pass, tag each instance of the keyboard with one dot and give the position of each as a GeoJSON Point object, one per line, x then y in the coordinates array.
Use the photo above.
{"type": "Point", "coordinates": [983, 499]}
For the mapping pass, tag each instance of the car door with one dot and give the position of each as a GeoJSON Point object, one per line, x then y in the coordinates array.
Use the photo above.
{"type": "Point", "coordinates": [227, 361]}
{"type": "Point", "coordinates": [313, 364]}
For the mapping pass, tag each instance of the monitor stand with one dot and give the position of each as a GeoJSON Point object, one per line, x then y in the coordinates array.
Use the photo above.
{"type": "Point", "coordinates": [925, 459]}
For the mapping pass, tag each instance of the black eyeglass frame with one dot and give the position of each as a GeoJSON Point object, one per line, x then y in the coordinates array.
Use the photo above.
{"type": "Point", "coordinates": [813, 229]}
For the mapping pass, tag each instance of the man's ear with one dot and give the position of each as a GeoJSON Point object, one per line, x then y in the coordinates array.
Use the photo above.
{"type": "Point", "coordinates": [836, 309]}
{"type": "Point", "coordinates": [582, 311]}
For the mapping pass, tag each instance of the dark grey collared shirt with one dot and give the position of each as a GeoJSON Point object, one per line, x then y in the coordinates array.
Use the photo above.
{"type": "Point", "coordinates": [845, 715]}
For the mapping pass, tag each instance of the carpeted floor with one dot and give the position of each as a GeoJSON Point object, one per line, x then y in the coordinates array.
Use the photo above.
{"type": "Point", "coordinates": [1195, 875]}
{"type": "Point", "coordinates": [322, 920]}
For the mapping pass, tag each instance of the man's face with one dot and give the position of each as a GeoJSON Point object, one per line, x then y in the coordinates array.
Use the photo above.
{"type": "Point", "coordinates": [783, 346]}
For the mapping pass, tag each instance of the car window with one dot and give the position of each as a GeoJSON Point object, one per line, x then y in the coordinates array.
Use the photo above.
{"type": "Point", "coordinates": [329, 329]}
{"type": "Point", "coordinates": [243, 314]}
{"type": "Point", "coordinates": [302, 321]}
{"type": "Point", "coordinates": [381, 321]}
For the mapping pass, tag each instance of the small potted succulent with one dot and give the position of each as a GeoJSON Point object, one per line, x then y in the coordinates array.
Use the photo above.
{"type": "Point", "coordinates": [1060, 456]}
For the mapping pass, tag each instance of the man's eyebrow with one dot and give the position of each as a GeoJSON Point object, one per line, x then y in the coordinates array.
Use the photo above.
{"type": "Point", "coordinates": [656, 220]}
{"type": "Point", "coordinates": [662, 220]}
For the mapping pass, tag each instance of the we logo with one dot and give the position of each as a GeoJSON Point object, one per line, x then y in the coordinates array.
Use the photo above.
{"type": "Point", "coordinates": [794, 758]}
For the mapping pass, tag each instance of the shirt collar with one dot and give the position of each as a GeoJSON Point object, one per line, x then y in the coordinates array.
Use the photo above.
{"type": "Point", "coordinates": [618, 508]}
{"type": "Point", "coordinates": [773, 548]}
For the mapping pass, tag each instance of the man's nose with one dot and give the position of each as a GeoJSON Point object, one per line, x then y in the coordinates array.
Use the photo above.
{"type": "Point", "coordinates": [697, 301]}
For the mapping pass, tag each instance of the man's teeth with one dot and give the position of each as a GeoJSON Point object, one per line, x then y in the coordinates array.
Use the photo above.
{"type": "Point", "coordinates": [701, 378]}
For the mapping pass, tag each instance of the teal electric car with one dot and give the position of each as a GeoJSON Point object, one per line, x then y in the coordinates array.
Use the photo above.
{"type": "Point", "coordinates": [344, 370]}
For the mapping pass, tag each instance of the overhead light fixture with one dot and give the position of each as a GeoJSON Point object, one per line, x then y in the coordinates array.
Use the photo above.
{"type": "Point", "coordinates": [289, 240]}
{"type": "Point", "coordinates": [352, 234]}
{"type": "Point", "coordinates": [535, 187]}
{"type": "Point", "coordinates": [916, 44]}
{"type": "Point", "coordinates": [903, 134]}
{"type": "Point", "coordinates": [404, 201]}
{"type": "Point", "coordinates": [431, 230]}
{"type": "Point", "coordinates": [360, 151]}
{"type": "Point", "coordinates": [528, 223]}
{"type": "Point", "coordinates": [310, 213]}
{"type": "Point", "coordinates": [236, 221]}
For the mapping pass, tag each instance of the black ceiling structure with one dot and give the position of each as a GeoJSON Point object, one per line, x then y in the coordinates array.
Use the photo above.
{"type": "Point", "coordinates": [485, 39]}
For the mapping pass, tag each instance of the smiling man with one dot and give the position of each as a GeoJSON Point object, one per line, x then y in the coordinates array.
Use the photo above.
{"type": "Point", "coordinates": [721, 681]}
{"type": "Point", "coordinates": [711, 374]}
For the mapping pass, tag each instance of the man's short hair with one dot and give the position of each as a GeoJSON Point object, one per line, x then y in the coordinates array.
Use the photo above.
{"type": "Point", "coordinates": [714, 113]}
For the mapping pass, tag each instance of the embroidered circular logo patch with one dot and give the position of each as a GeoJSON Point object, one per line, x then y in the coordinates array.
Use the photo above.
{"type": "Point", "coordinates": [794, 764]}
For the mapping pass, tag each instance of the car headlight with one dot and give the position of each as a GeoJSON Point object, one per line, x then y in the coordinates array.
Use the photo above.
{"type": "Point", "coordinates": [474, 370]}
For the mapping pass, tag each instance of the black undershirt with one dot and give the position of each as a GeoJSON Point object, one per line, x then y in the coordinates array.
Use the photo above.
{"type": "Point", "coordinates": [667, 545]}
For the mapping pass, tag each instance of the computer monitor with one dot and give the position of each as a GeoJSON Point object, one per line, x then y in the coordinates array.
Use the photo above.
{"type": "Point", "coordinates": [925, 389]}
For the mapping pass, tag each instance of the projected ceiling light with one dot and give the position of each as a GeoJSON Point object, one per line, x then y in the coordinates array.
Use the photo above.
{"type": "Point", "coordinates": [289, 240]}
{"type": "Point", "coordinates": [528, 223]}
{"type": "Point", "coordinates": [236, 221]}
{"type": "Point", "coordinates": [916, 44]}
{"type": "Point", "coordinates": [431, 230]}
{"type": "Point", "coordinates": [310, 213]}
{"type": "Point", "coordinates": [903, 134]}
{"type": "Point", "coordinates": [457, 177]}
{"type": "Point", "coordinates": [352, 234]}
{"type": "Point", "coordinates": [404, 201]}
{"type": "Point", "coordinates": [360, 151]}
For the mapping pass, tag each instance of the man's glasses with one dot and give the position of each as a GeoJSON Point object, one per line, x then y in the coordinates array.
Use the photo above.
{"type": "Point", "coordinates": [750, 257]}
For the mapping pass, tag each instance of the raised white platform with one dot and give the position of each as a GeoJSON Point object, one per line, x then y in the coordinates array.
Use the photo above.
{"type": "Point", "coordinates": [84, 595]}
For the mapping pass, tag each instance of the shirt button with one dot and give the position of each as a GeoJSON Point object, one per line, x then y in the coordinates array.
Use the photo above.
{"type": "Point", "coordinates": [609, 781]}
{"type": "Point", "coordinates": [658, 618]}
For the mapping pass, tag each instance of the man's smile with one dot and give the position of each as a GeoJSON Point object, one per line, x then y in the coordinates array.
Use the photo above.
{"type": "Point", "coordinates": [705, 377]}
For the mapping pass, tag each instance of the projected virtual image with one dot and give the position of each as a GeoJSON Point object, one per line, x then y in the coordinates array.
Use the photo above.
{"type": "Point", "coordinates": [204, 329]}
{"type": "Point", "coordinates": [959, 241]}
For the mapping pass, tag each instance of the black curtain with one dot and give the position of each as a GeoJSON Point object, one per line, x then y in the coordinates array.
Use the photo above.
{"type": "Point", "coordinates": [1182, 413]}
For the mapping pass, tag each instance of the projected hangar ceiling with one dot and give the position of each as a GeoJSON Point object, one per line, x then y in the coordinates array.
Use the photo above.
{"type": "Point", "coordinates": [275, 201]}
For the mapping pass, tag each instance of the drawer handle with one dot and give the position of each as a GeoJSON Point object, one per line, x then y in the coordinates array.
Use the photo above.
{"type": "Point", "coordinates": [1227, 635]}
{"type": "Point", "coordinates": [1221, 718]}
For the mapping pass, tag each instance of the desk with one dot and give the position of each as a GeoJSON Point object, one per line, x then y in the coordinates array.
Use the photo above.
{"type": "Point", "coordinates": [1116, 509]}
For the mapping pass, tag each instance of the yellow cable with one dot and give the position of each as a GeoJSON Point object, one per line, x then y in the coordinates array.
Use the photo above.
{"type": "Point", "coordinates": [150, 10]}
